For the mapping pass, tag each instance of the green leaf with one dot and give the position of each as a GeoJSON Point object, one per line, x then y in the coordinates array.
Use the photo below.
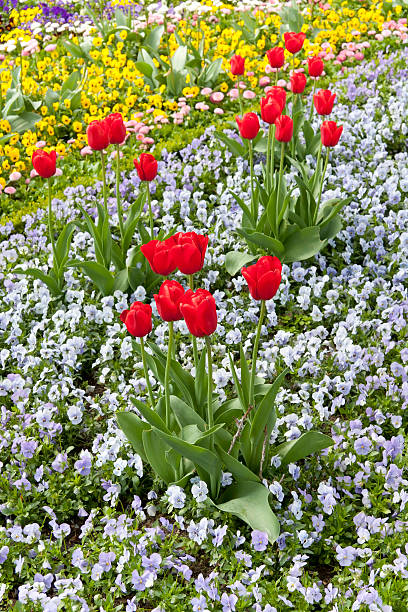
{"type": "Point", "coordinates": [303, 244]}
{"type": "Point", "coordinates": [238, 470]}
{"type": "Point", "coordinates": [63, 243]}
{"type": "Point", "coordinates": [331, 228]}
{"type": "Point", "coordinates": [179, 58]}
{"type": "Point", "coordinates": [210, 74]}
{"type": "Point", "coordinates": [144, 68]}
{"type": "Point", "coordinates": [153, 38]}
{"type": "Point", "coordinates": [150, 415]}
{"type": "Point", "coordinates": [121, 280]}
{"type": "Point", "coordinates": [70, 84]}
{"type": "Point", "coordinates": [249, 501]}
{"type": "Point", "coordinates": [237, 384]}
{"type": "Point", "coordinates": [99, 275]}
{"type": "Point", "coordinates": [308, 443]}
{"type": "Point", "coordinates": [185, 414]}
{"type": "Point", "coordinates": [269, 244]}
{"type": "Point", "coordinates": [245, 375]}
{"type": "Point", "coordinates": [133, 428]}
{"type": "Point", "coordinates": [23, 122]}
{"type": "Point", "coordinates": [228, 411]}
{"type": "Point", "coordinates": [45, 278]}
{"type": "Point", "coordinates": [157, 456]}
{"type": "Point", "coordinates": [237, 149]}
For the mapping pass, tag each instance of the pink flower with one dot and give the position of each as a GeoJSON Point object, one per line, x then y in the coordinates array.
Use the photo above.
{"type": "Point", "coordinates": [86, 151]}
{"type": "Point", "coordinates": [10, 190]}
{"type": "Point", "coordinates": [218, 111]}
{"type": "Point", "coordinates": [40, 144]}
{"type": "Point", "coordinates": [265, 80]}
{"type": "Point", "coordinates": [206, 91]}
{"type": "Point", "coordinates": [15, 176]}
{"type": "Point", "coordinates": [50, 48]}
{"type": "Point", "coordinates": [233, 94]}
{"type": "Point", "coordinates": [216, 97]}
{"type": "Point", "coordinates": [248, 94]}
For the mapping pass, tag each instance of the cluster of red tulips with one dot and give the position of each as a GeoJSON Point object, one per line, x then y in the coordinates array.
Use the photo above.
{"type": "Point", "coordinates": [273, 104]}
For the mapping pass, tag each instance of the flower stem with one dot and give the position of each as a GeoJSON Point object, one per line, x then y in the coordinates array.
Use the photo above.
{"type": "Point", "coordinates": [268, 158]}
{"type": "Point", "coordinates": [241, 106]}
{"type": "Point", "coordinates": [312, 104]}
{"type": "Point", "coordinates": [105, 194]}
{"type": "Point", "coordinates": [251, 168]}
{"type": "Point", "coordinates": [194, 339]}
{"type": "Point", "coordinates": [118, 199]}
{"type": "Point", "coordinates": [210, 422]}
{"type": "Point", "coordinates": [51, 232]}
{"type": "Point", "coordinates": [167, 372]}
{"type": "Point", "coordinates": [149, 202]}
{"type": "Point", "coordinates": [255, 352]}
{"type": "Point", "coordinates": [321, 187]}
{"type": "Point", "coordinates": [279, 187]}
{"type": "Point", "coordinates": [146, 371]}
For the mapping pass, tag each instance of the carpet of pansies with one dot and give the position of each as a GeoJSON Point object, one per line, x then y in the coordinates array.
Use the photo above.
{"type": "Point", "coordinates": [85, 524]}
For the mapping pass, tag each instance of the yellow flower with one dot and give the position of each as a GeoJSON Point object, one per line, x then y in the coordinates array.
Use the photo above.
{"type": "Point", "coordinates": [77, 126]}
{"type": "Point", "coordinates": [123, 34]}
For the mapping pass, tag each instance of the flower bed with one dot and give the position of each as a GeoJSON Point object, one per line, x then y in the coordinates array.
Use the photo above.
{"type": "Point", "coordinates": [87, 524]}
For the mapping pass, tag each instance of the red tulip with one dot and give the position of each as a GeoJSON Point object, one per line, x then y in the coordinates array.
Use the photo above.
{"type": "Point", "coordinates": [98, 135]}
{"type": "Point", "coordinates": [44, 163]}
{"type": "Point", "coordinates": [284, 128]}
{"type": "Point", "coordinates": [248, 125]}
{"type": "Point", "coordinates": [237, 65]}
{"type": "Point", "coordinates": [270, 109]}
{"type": "Point", "coordinates": [146, 167]}
{"type": "Point", "coordinates": [168, 300]}
{"type": "Point", "coordinates": [116, 128]}
{"type": "Point", "coordinates": [199, 312]}
{"type": "Point", "coordinates": [276, 57]}
{"type": "Point", "coordinates": [161, 255]}
{"type": "Point", "coordinates": [315, 66]}
{"type": "Point", "coordinates": [324, 101]}
{"type": "Point", "coordinates": [298, 82]}
{"type": "Point", "coordinates": [190, 251]}
{"type": "Point", "coordinates": [330, 133]}
{"type": "Point", "coordinates": [138, 319]}
{"type": "Point", "coordinates": [264, 277]}
{"type": "Point", "coordinates": [278, 94]}
{"type": "Point", "coordinates": [294, 41]}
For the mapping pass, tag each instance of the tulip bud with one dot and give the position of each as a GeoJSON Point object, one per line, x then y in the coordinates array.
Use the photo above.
{"type": "Point", "coordinates": [284, 128]}
{"type": "Point", "coordinates": [98, 135]}
{"type": "Point", "coordinates": [116, 128]}
{"type": "Point", "coordinates": [138, 319]}
{"type": "Point", "coordinates": [199, 312]}
{"type": "Point", "coordinates": [294, 41]}
{"type": "Point", "coordinates": [190, 252]}
{"type": "Point", "coordinates": [264, 277]}
{"type": "Point", "coordinates": [324, 101]}
{"type": "Point", "coordinates": [298, 82]}
{"type": "Point", "coordinates": [276, 57]}
{"type": "Point", "coordinates": [168, 300]}
{"type": "Point", "coordinates": [146, 167]}
{"type": "Point", "coordinates": [237, 65]}
{"type": "Point", "coordinates": [315, 66]}
{"type": "Point", "coordinates": [44, 163]}
{"type": "Point", "coordinates": [248, 125]}
{"type": "Point", "coordinates": [161, 255]}
{"type": "Point", "coordinates": [330, 133]}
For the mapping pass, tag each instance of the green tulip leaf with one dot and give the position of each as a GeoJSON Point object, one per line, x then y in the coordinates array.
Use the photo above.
{"type": "Point", "coordinates": [308, 443]}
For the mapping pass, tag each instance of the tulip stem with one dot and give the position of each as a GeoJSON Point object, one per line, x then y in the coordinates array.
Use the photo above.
{"type": "Point", "coordinates": [167, 372]}
{"type": "Point", "coordinates": [321, 187]}
{"type": "Point", "coordinates": [273, 151]}
{"type": "Point", "coordinates": [51, 232]}
{"type": "Point", "coordinates": [255, 353]}
{"type": "Point", "coordinates": [319, 155]}
{"type": "Point", "coordinates": [241, 107]}
{"type": "Point", "coordinates": [279, 186]}
{"type": "Point", "coordinates": [105, 195]}
{"type": "Point", "coordinates": [268, 158]}
{"type": "Point", "coordinates": [118, 199]}
{"type": "Point", "coordinates": [312, 104]}
{"type": "Point", "coordinates": [195, 351]}
{"type": "Point", "coordinates": [210, 384]}
{"type": "Point", "coordinates": [149, 203]}
{"type": "Point", "coordinates": [146, 371]}
{"type": "Point", "coordinates": [293, 119]}
{"type": "Point", "coordinates": [251, 169]}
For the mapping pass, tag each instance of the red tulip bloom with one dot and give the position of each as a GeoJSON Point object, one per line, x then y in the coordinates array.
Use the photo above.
{"type": "Point", "coordinates": [276, 57]}
{"type": "Point", "coordinates": [190, 251]}
{"type": "Point", "coordinates": [237, 65]}
{"type": "Point", "coordinates": [98, 135]}
{"type": "Point", "coordinates": [315, 66]}
{"type": "Point", "coordinates": [264, 277]}
{"type": "Point", "coordinates": [199, 312]}
{"type": "Point", "coordinates": [44, 163]}
{"type": "Point", "coordinates": [116, 128]}
{"type": "Point", "coordinates": [284, 128]}
{"type": "Point", "coordinates": [248, 125]}
{"type": "Point", "coordinates": [278, 94]}
{"type": "Point", "coordinates": [161, 255]}
{"type": "Point", "coordinates": [324, 101]}
{"type": "Point", "coordinates": [270, 110]}
{"type": "Point", "coordinates": [168, 300]}
{"type": "Point", "coordinates": [294, 41]}
{"type": "Point", "coordinates": [146, 167]}
{"type": "Point", "coordinates": [298, 82]}
{"type": "Point", "coordinates": [138, 319]}
{"type": "Point", "coordinates": [330, 133]}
